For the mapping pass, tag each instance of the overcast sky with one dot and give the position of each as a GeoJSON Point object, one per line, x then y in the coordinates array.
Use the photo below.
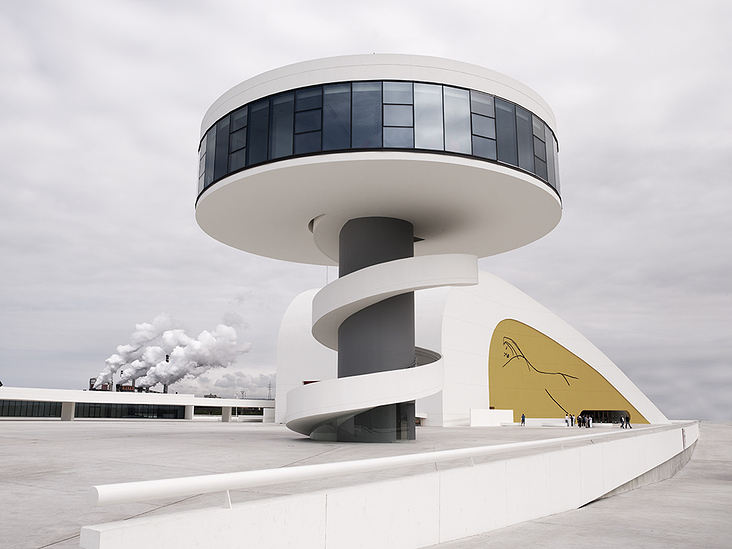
{"type": "Point", "coordinates": [100, 110]}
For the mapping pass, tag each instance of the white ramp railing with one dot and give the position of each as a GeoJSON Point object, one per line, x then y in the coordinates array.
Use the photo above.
{"type": "Point", "coordinates": [110, 494]}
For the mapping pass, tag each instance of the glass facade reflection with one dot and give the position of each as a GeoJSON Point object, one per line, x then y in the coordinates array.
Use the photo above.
{"type": "Point", "coordinates": [378, 115]}
{"type": "Point", "coordinates": [129, 411]}
{"type": "Point", "coordinates": [31, 408]}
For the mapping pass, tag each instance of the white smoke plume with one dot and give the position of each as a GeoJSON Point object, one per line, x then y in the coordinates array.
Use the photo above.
{"type": "Point", "coordinates": [161, 352]}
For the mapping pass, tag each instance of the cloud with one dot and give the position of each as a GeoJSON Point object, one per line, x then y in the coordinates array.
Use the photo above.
{"type": "Point", "coordinates": [245, 385]}
{"type": "Point", "coordinates": [102, 103]}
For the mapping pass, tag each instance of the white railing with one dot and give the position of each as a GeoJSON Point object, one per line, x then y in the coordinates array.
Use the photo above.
{"type": "Point", "coordinates": [311, 406]}
{"type": "Point", "coordinates": [110, 494]}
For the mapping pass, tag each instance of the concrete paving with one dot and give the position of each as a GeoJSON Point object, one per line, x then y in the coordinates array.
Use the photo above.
{"type": "Point", "coordinates": [46, 467]}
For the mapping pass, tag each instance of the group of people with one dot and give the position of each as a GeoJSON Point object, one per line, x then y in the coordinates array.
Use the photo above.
{"type": "Point", "coordinates": [584, 421]}
{"type": "Point", "coordinates": [581, 421]}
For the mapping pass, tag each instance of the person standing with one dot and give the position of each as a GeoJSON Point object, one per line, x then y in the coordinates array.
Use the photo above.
{"type": "Point", "coordinates": [622, 422]}
{"type": "Point", "coordinates": [627, 422]}
{"type": "Point", "coordinates": [523, 420]}
{"type": "Point", "coordinates": [566, 420]}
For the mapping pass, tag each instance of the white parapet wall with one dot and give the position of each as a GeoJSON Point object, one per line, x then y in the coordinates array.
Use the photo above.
{"type": "Point", "coordinates": [480, 417]}
{"type": "Point", "coordinates": [446, 505]}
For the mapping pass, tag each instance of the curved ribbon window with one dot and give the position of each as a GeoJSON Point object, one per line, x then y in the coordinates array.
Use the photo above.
{"type": "Point", "coordinates": [378, 115]}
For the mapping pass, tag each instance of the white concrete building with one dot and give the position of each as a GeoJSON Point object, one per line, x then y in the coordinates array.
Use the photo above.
{"type": "Point", "coordinates": [460, 324]}
{"type": "Point", "coordinates": [402, 170]}
{"type": "Point", "coordinates": [66, 404]}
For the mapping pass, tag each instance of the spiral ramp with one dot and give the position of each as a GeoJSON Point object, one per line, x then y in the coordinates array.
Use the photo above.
{"type": "Point", "coordinates": [335, 400]}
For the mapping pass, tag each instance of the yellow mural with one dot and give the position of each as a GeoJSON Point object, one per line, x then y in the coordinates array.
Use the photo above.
{"type": "Point", "coordinates": [532, 374]}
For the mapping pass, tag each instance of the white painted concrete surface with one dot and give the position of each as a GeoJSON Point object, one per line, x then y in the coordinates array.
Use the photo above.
{"type": "Point", "coordinates": [309, 406]}
{"type": "Point", "coordinates": [458, 323]}
{"type": "Point", "coordinates": [349, 294]}
{"type": "Point", "coordinates": [481, 417]}
{"type": "Point", "coordinates": [378, 67]}
{"type": "Point", "coordinates": [420, 510]}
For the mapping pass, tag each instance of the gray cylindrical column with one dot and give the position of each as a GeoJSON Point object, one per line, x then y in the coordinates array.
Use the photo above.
{"type": "Point", "coordinates": [380, 337]}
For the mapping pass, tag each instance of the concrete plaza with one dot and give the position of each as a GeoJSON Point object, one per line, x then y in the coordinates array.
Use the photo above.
{"type": "Point", "coordinates": [47, 467]}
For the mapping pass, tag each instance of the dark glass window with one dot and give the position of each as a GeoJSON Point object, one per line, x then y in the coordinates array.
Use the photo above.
{"type": "Point", "coordinates": [310, 98]}
{"type": "Point", "coordinates": [307, 121]}
{"type": "Point", "coordinates": [525, 139]}
{"type": "Point", "coordinates": [222, 148]}
{"type": "Point", "coordinates": [239, 119]}
{"type": "Point", "coordinates": [484, 126]}
{"type": "Point", "coordinates": [457, 120]}
{"type": "Point", "coordinates": [237, 160]}
{"type": "Point", "coordinates": [258, 131]}
{"type": "Point", "coordinates": [143, 411]}
{"type": "Point", "coordinates": [539, 149]}
{"type": "Point", "coordinates": [485, 148]}
{"type": "Point", "coordinates": [398, 92]}
{"type": "Point", "coordinates": [283, 111]}
{"type": "Point", "coordinates": [481, 103]}
{"type": "Point", "coordinates": [366, 115]}
{"type": "Point", "coordinates": [398, 115]}
{"type": "Point", "coordinates": [210, 148]}
{"type": "Point", "coordinates": [506, 132]}
{"type": "Point", "coordinates": [336, 117]}
{"type": "Point", "coordinates": [428, 119]}
{"type": "Point", "coordinates": [307, 142]}
{"type": "Point", "coordinates": [538, 126]}
{"type": "Point", "coordinates": [238, 140]}
{"type": "Point", "coordinates": [202, 158]}
{"type": "Point", "coordinates": [201, 164]}
{"type": "Point", "coordinates": [540, 168]}
{"type": "Point", "coordinates": [390, 114]}
{"type": "Point", "coordinates": [398, 137]}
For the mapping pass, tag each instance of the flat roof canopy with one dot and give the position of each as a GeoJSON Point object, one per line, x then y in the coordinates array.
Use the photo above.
{"type": "Point", "coordinates": [457, 205]}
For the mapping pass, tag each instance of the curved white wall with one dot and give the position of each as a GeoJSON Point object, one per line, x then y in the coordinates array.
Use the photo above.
{"type": "Point", "coordinates": [470, 317]}
{"type": "Point", "coordinates": [379, 67]}
{"type": "Point", "coordinates": [299, 356]}
{"type": "Point", "coordinates": [458, 323]}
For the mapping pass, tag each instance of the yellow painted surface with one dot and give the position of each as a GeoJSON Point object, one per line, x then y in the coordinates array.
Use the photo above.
{"type": "Point", "coordinates": [532, 374]}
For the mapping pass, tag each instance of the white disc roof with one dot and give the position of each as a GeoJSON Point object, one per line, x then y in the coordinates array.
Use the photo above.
{"type": "Point", "coordinates": [293, 209]}
{"type": "Point", "coordinates": [456, 205]}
